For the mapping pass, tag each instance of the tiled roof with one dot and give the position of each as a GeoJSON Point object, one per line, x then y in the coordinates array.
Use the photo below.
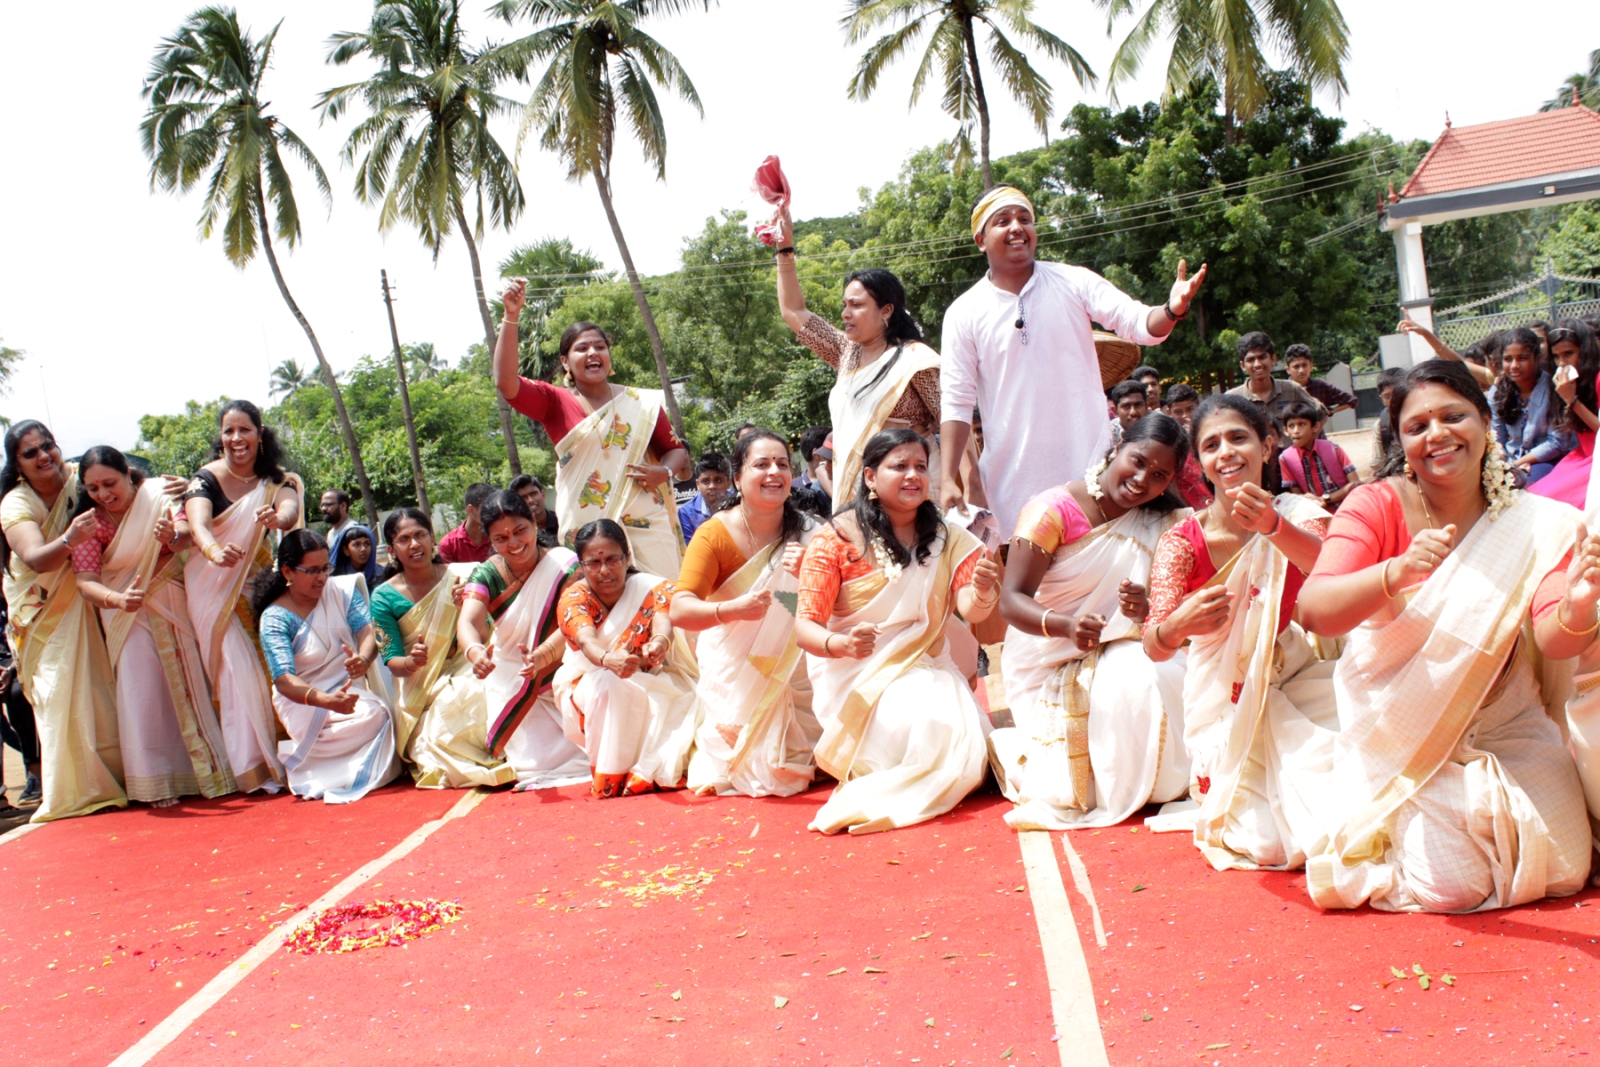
{"type": "Point", "coordinates": [1466, 157]}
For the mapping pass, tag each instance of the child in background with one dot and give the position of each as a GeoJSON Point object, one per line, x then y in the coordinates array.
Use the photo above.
{"type": "Point", "coordinates": [1131, 403]}
{"type": "Point", "coordinates": [1331, 397]}
{"type": "Point", "coordinates": [1181, 400]}
{"type": "Point", "coordinates": [1312, 466]}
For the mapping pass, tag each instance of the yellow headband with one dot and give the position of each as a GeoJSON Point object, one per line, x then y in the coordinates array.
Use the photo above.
{"type": "Point", "coordinates": [995, 199]}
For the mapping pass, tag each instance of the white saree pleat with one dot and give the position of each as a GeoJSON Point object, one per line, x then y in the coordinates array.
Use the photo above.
{"type": "Point", "coordinates": [1451, 787]}
{"type": "Point", "coordinates": [334, 757]}
{"type": "Point", "coordinates": [643, 725]}
{"type": "Point", "coordinates": [757, 731]}
{"type": "Point", "coordinates": [538, 751]}
{"type": "Point", "coordinates": [1127, 750]}
{"type": "Point", "coordinates": [900, 729]}
{"type": "Point", "coordinates": [856, 418]}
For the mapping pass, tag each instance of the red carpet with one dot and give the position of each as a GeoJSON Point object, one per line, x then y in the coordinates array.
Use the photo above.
{"type": "Point", "coordinates": [104, 916]}
{"type": "Point", "coordinates": [1199, 958]}
{"type": "Point", "coordinates": [573, 950]}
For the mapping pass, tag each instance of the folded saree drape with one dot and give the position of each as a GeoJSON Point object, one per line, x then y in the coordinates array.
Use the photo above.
{"type": "Point", "coordinates": [1260, 719]}
{"type": "Point", "coordinates": [860, 408]}
{"type": "Point", "coordinates": [592, 483]}
{"type": "Point", "coordinates": [638, 731]}
{"type": "Point", "coordinates": [170, 735]}
{"type": "Point", "coordinates": [1451, 788]}
{"type": "Point", "coordinates": [757, 730]}
{"type": "Point", "coordinates": [334, 756]}
{"type": "Point", "coordinates": [441, 713]}
{"type": "Point", "coordinates": [224, 625]}
{"type": "Point", "coordinates": [524, 722]}
{"type": "Point", "coordinates": [1097, 734]}
{"type": "Point", "coordinates": [65, 672]}
{"type": "Point", "coordinates": [900, 729]}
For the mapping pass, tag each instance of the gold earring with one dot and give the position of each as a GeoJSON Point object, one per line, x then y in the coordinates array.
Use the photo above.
{"type": "Point", "coordinates": [872, 494]}
{"type": "Point", "coordinates": [1406, 468]}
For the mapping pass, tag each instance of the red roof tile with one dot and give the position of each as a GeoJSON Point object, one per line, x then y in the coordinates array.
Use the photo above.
{"type": "Point", "coordinates": [1491, 153]}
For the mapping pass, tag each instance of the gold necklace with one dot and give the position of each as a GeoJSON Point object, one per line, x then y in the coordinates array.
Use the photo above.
{"type": "Point", "coordinates": [1432, 525]}
{"type": "Point", "coordinates": [748, 532]}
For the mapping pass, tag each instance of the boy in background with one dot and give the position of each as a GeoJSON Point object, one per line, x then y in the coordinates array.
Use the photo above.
{"type": "Point", "coordinates": [1180, 404]}
{"type": "Point", "coordinates": [1131, 403]}
{"type": "Point", "coordinates": [1331, 397]}
{"type": "Point", "coordinates": [713, 477]}
{"type": "Point", "coordinates": [1313, 466]}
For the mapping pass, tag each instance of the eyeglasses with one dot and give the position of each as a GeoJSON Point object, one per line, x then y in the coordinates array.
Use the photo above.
{"type": "Point", "coordinates": [326, 568]}
{"type": "Point", "coordinates": [609, 563]}
{"type": "Point", "coordinates": [30, 453]}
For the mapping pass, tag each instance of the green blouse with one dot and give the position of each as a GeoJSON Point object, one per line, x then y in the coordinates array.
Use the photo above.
{"type": "Point", "coordinates": [389, 605]}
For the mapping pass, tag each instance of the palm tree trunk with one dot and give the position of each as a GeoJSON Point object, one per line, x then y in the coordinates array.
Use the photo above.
{"type": "Point", "coordinates": [405, 400]}
{"type": "Point", "coordinates": [507, 430]}
{"type": "Point", "coordinates": [602, 182]}
{"type": "Point", "coordinates": [351, 445]}
{"type": "Point", "coordinates": [971, 47]}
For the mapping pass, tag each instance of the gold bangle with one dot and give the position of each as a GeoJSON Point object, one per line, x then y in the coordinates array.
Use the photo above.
{"type": "Point", "coordinates": [219, 551]}
{"type": "Point", "coordinates": [716, 611]}
{"type": "Point", "coordinates": [1383, 580]}
{"type": "Point", "coordinates": [1044, 623]}
{"type": "Point", "coordinates": [1162, 645]}
{"type": "Point", "coordinates": [1575, 633]}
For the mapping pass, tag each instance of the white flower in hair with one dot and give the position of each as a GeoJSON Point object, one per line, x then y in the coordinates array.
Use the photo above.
{"type": "Point", "coordinates": [1091, 477]}
{"type": "Point", "coordinates": [1499, 482]}
{"type": "Point", "coordinates": [892, 570]}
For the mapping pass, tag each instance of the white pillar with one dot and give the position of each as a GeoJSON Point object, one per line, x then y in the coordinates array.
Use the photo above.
{"type": "Point", "coordinates": [1412, 270]}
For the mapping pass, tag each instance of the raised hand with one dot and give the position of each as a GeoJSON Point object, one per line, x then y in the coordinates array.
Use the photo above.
{"type": "Point", "coordinates": [1427, 551]}
{"type": "Point", "coordinates": [1253, 508]}
{"type": "Point", "coordinates": [1133, 600]}
{"type": "Point", "coordinates": [132, 598]}
{"type": "Point", "coordinates": [515, 297]}
{"type": "Point", "coordinates": [1185, 288]}
{"type": "Point", "coordinates": [355, 664]}
{"type": "Point", "coordinates": [483, 666]}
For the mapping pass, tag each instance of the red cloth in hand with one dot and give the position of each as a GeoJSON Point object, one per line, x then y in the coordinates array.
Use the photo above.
{"type": "Point", "coordinates": [772, 186]}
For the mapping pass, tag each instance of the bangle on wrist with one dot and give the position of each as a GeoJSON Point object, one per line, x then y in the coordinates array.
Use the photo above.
{"type": "Point", "coordinates": [786, 250]}
{"type": "Point", "coordinates": [1044, 622]}
{"type": "Point", "coordinates": [827, 646]}
{"type": "Point", "coordinates": [1173, 315]}
{"type": "Point", "coordinates": [1383, 581]}
{"type": "Point", "coordinates": [1162, 645]}
{"type": "Point", "coordinates": [1277, 527]}
{"type": "Point", "coordinates": [1575, 633]}
{"type": "Point", "coordinates": [716, 611]}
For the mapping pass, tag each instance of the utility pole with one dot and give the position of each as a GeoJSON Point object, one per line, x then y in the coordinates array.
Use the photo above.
{"type": "Point", "coordinates": [405, 399]}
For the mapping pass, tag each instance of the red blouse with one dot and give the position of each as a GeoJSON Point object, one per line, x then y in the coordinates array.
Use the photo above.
{"type": "Point", "coordinates": [558, 411]}
{"type": "Point", "coordinates": [1183, 564]}
{"type": "Point", "coordinates": [1371, 528]}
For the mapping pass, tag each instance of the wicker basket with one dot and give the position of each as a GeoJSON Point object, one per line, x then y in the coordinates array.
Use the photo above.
{"type": "Point", "coordinates": [1117, 358]}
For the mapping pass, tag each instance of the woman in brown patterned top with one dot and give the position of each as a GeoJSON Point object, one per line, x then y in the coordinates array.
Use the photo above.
{"type": "Point", "coordinates": [887, 376]}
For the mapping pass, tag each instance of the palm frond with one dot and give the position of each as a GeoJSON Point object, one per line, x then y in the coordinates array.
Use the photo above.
{"type": "Point", "coordinates": [1026, 85]}
{"type": "Point", "coordinates": [883, 52]}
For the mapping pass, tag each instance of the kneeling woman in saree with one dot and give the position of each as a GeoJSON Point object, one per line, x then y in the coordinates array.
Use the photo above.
{"type": "Point", "coordinates": [170, 737]}
{"type": "Point", "coordinates": [232, 504]}
{"type": "Point", "coordinates": [317, 636]}
{"type": "Point", "coordinates": [508, 634]}
{"type": "Point", "coordinates": [616, 454]}
{"type": "Point", "coordinates": [440, 715]}
{"type": "Point", "coordinates": [900, 728]}
{"type": "Point", "coordinates": [738, 585]}
{"type": "Point", "coordinates": [1257, 703]}
{"type": "Point", "coordinates": [627, 686]}
{"type": "Point", "coordinates": [1099, 727]}
{"type": "Point", "coordinates": [60, 654]}
{"type": "Point", "coordinates": [1450, 787]}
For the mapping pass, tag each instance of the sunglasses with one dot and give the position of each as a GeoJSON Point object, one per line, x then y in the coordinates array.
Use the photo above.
{"type": "Point", "coordinates": [30, 453]}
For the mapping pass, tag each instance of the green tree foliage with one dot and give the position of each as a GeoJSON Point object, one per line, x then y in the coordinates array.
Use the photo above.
{"type": "Point", "coordinates": [1573, 245]}
{"type": "Point", "coordinates": [10, 360]}
{"type": "Point", "coordinates": [553, 269]}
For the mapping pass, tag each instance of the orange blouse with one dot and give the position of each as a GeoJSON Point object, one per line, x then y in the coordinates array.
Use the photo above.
{"type": "Point", "coordinates": [831, 560]}
{"type": "Point", "coordinates": [579, 608]}
{"type": "Point", "coordinates": [711, 559]}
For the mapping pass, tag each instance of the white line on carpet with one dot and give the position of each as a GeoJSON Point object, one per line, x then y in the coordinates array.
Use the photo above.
{"type": "Point", "coordinates": [1080, 878]}
{"type": "Point", "coordinates": [1071, 992]}
{"type": "Point", "coordinates": [25, 828]}
{"type": "Point", "coordinates": [173, 1026]}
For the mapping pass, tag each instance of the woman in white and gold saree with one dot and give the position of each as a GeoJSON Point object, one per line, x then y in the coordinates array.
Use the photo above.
{"type": "Point", "coordinates": [232, 504]}
{"type": "Point", "coordinates": [1099, 726]}
{"type": "Point", "coordinates": [1450, 787]}
{"type": "Point", "coordinates": [737, 588]}
{"type": "Point", "coordinates": [60, 653]}
{"type": "Point", "coordinates": [616, 454]}
{"type": "Point", "coordinates": [900, 728]}
{"type": "Point", "coordinates": [132, 571]}
{"type": "Point", "coordinates": [440, 715]}
{"type": "Point", "coordinates": [1257, 703]}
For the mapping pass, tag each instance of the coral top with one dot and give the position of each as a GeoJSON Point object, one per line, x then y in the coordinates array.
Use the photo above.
{"type": "Point", "coordinates": [1183, 564]}
{"type": "Point", "coordinates": [558, 411]}
{"type": "Point", "coordinates": [1371, 528]}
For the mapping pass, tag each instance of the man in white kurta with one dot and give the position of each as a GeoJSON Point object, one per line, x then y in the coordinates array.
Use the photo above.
{"type": "Point", "coordinates": [1019, 346]}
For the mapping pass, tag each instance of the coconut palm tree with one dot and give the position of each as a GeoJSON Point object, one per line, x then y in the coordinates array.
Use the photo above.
{"type": "Point", "coordinates": [422, 362]}
{"type": "Point", "coordinates": [952, 26]}
{"type": "Point", "coordinates": [1581, 88]}
{"type": "Point", "coordinates": [1227, 38]}
{"type": "Point", "coordinates": [428, 148]}
{"type": "Point", "coordinates": [288, 379]}
{"type": "Point", "coordinates": [602, 67]}
{"type": "Point", "coordinates": [207, 120]}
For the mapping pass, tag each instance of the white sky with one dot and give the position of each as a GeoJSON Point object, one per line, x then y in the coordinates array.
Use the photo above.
{"type": "Point", "coordinates": [124, 312]}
